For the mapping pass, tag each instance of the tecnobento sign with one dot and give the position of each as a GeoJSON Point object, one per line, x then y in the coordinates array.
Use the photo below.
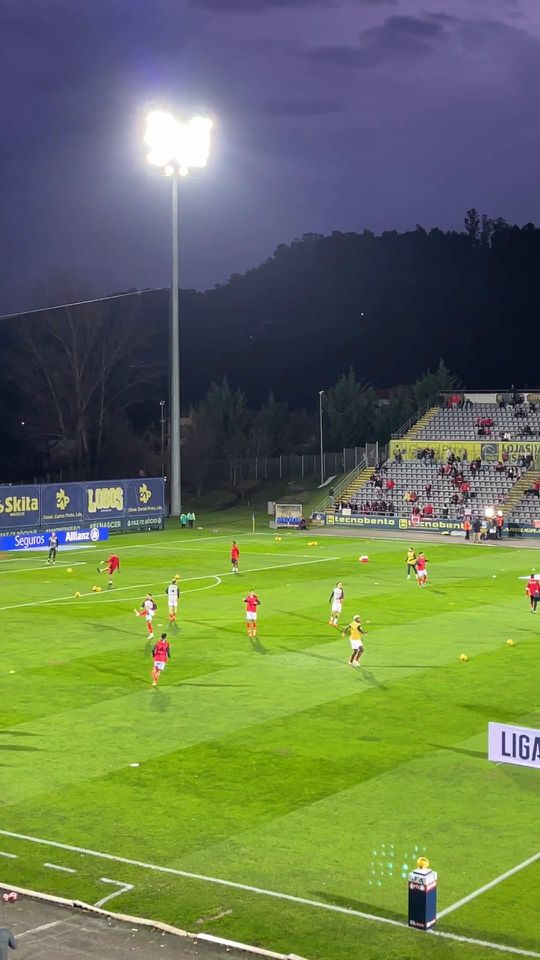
{"type": "Point", "coordinates": [516, 745]}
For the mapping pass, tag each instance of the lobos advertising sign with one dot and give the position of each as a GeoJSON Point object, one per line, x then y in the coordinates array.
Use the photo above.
{"type": "Point", "coordinates": [517, 745]}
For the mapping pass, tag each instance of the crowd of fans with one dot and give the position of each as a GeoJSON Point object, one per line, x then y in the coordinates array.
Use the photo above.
{"type": "Point", "coordinates": [485, 426]}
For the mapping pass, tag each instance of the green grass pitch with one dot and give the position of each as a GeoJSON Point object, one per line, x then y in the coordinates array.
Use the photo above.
{"type": "Point", "coordinates": [273, 765]}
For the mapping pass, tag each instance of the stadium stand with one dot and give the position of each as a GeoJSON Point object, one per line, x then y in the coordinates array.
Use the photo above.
{"type": "Point", "coordinates": [481, 421]}
{"type": "Point", "coordinates": [449, 483]}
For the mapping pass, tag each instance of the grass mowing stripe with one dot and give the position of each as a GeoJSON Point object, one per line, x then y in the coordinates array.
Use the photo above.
{"type": "Point", "coordinates": [133, 586]}
{"type": "Point", "coordinates": [488, 886]}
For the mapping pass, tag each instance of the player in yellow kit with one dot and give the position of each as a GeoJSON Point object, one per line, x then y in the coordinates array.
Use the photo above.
{"type": "Point", "coordinates": [355, 633]}
{"type": "Point", "coordinates": [411, 562]}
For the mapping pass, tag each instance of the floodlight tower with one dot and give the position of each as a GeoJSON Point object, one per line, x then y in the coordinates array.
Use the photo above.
{"type": "Point", "coordinates": [176, 148]}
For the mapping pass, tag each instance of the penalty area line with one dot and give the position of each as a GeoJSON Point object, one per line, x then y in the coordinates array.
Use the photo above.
{"type": "Point", "coordinates": [261, 891]}
{"type": "Point", "coordinates": [487, 886]}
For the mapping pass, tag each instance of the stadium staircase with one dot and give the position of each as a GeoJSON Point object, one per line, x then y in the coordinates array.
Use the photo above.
{"type": "Point", "coordinates": [517, 492]}
{"type": "Point", "coordinates": [341, 490]}
{"type": "Point", "coordinates": [355, 484]}
{"type": "Point", "coordinates": [425, 419]}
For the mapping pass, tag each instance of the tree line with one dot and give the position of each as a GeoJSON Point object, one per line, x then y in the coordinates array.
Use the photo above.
{"type": "Point", "coordinates": [80, 388]}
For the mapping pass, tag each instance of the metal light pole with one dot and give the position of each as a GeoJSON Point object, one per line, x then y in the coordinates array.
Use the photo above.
{"type": "Point", "coordinates": [176, 148]}
{"type": "Point", "coordinates": [321, 395]}
{"type": "Point", "coordinates": [174, 428]}
{"type": "Point", "coordinates": [162, 421]}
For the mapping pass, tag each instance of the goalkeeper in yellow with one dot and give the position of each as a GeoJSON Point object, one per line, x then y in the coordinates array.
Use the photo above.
{"type": "Point", "coordinates": [355, 635]}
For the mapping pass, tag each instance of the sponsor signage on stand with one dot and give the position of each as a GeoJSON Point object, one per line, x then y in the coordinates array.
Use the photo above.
{"type": "Point", "coordinates": [118, 505]}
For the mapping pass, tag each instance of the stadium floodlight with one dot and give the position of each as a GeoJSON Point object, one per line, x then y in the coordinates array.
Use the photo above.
{"type": "Point", "coordinates": [174, 145]}
{"type": "Point", "coordinates": [176, 148]}
{"type": "Point", "coordinates": [321, 435]}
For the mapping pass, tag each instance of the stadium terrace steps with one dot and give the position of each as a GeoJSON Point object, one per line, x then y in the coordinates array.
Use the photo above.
{"type": "Point", "coordinates": [520, 506]}
{"type": "Point", "coordinates": [423, 421]}
{"type": "Point", "coordinates": [359, 481]}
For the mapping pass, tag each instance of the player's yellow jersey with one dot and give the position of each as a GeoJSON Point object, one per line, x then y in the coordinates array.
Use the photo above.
{"type": "Point", "coordinates": [411, 557]}
{"type": "Point", "coordinates": [356, 630]}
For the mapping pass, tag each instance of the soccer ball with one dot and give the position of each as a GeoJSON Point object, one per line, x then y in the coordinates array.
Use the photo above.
{"type": "Point", "coordinates": [98, 589]}
{"type": "Point", "coordinates": [510, 643]}
{"type": "Point", "coordinates": [95, 589]}
{"type": "Point", "coordinates": [463, 657]}
{"type": "Point", "coordinates": [77, 593]}
{"type": "Point", "coordinates": [69, 570]}
{"type": "Point", "coordinates": [277, 539]}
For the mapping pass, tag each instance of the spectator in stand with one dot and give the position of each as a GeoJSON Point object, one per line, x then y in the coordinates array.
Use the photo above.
{"type": "Point", "coordinates": [378, 482]}
{"type": "Point", "coordinates": [414, 496]}
{"type": "Point", "coordinates": [465, 489]}
{"type": "Point", "coordinates": [427, 489]}
{"type": "Point", "coordinates": [427, 510]}
{"type": "Point", "coordinates": [415, 511]}
{"type": "Point", "coordinates": [500, 497]}
{"type": "Point", "coordinates": [502, 404]}
{"type": "Point", "coordinates": [500, 467]}
{"type": "Point", "coordinates": [398, 457]}
{"type": "Point", "coordinates": [532, 407]}
{"type": "Point", "coordinates": [390, 484]}
{"type": "Point", "coordinates": [504, 456]}
{"type": "Point", "coordinates": [468, 404]}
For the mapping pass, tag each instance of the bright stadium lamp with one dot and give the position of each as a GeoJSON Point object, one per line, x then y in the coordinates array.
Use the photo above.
{"type": "Point", "coordinates": [175, 144]}
{"type": "Point", "coordinates": [176, 148]}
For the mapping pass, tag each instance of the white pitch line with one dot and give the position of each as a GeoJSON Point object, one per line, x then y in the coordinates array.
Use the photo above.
{"type": "Point", "coordinates": [57, 866]}
{"type": "Point", "coordinates": [44, 926]}
{"type": "Point", "coordinates": [488, 886]}
{"type": "Point", "coordinates": [124, 888]}
{"type": "Point", "coordinates": [44, 566]}
{"type": "Point", "coordinates": [89, 603]}
{"type": "Point", "coordinates": [134, 586]}
{"type": "Point", "coordinates": [10, 856]}
{"type": "Point", "coordinates": [333, 908]}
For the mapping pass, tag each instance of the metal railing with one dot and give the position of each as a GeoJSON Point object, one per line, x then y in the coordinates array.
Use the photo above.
{"type": "Point", "coordinates": [340, 487]}
{"type": "Point", "coordinates": [399, 434]}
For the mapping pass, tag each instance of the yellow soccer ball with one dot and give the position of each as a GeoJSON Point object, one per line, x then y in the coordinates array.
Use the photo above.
{"type": "Point", "coordinates": [98, 589]}
{"type": "Point", "coordinates": [78, 593]}
{"type": "Point", "coordinates": [463, 657]}
{"type": "Point", "coordinates": [69, 570]}
{"type": "Point", "coordinates": [95, 589]}
{"type": "Point", "coordinates": [510, 643]}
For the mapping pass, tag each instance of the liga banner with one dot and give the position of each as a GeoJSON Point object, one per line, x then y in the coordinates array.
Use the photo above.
{"type": "Point", "coordinates": [515, 745]}
{"type": "Point", "coordinates": [487, 450]}
{"type": "Point", "coordinates": [145, 498]}
{"type": "Point", "coordinates": [62, 502]}
{"type": "Point", "coordinates": [19, 506]}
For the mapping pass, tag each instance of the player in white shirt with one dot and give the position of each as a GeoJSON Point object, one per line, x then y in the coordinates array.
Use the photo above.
{"type": "Point", "coordinates": [173, 593]}
{"type": "Point", "coordinates": [336, 599]}
{"type": "Point", "coordinates": [148, 611]}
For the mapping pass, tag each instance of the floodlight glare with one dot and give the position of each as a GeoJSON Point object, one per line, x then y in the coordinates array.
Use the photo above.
{"type": "Point", "coordinates": [186, 145]}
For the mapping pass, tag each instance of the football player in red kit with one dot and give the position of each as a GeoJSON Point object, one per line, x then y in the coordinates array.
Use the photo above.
{"type": "Point", "coordinates": [110, 566]}
{"type": "Point", "coordinates": [235, 556]}
{"type": "Point", "coordinates": [161, 653]}
{"type": "Point", "coordinates": [533, 592]}
{"type": "Point", "coordinates": [421, 571]}
{"type": "Point", "coordinates": [252, 602]}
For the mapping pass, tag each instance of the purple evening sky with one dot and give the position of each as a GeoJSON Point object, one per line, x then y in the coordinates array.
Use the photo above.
{"type": "Point", "coordinates": [329, 115]}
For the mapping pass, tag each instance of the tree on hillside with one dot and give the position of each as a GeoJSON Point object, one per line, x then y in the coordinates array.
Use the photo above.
{"type": "Point", "coordinates": [351, 412]}
{"type": "Point", "coordinates": [77, 369]}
